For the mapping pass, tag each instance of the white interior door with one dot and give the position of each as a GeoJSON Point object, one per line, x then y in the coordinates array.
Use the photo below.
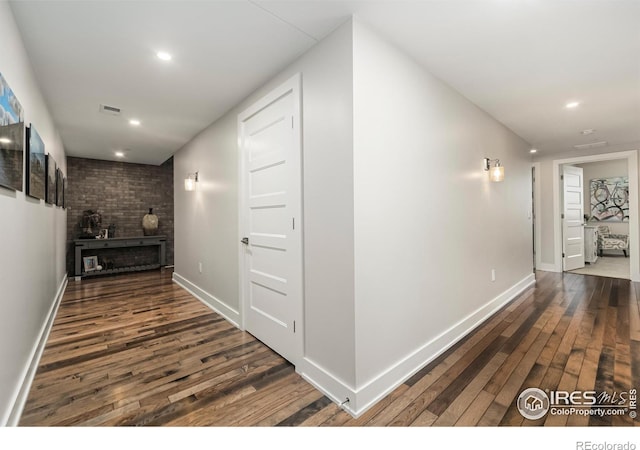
{"type": "Point", "coordinates": [573, 218]}
{"type": "Point", "coordinates": [270, 220]}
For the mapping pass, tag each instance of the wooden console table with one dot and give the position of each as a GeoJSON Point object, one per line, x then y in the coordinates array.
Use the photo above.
{"type": "Point", "coordinates": [125, 242]}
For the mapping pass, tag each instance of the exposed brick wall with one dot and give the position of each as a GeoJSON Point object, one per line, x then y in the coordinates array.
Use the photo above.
{"type": "Point", "coordinates": [123, 194]}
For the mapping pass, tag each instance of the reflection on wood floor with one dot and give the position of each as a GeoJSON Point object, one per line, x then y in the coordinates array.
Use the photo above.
{"type": "Point", "coordinates": [139, 350]}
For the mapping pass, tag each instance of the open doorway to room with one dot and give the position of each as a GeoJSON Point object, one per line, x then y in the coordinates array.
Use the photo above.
{"type": "Point", "coordinates": [606, 219]}
{"type": "Point", "coordinates": [597, 223]}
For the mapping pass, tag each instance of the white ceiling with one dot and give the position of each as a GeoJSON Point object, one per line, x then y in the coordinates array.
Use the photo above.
{"type": "Point", "coordinates": [520, 60]}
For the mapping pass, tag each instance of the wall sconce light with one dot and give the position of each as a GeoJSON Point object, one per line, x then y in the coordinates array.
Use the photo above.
{"type": "Point", "coordinates": [496, 173]}
{"type": "Point", "coordinates": [190, 182]}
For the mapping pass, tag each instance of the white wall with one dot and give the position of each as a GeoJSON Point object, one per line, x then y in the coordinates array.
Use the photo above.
{"type": "Point", "coordinates": [206, 221]}
{"type": "Point", "coordinates": [604, 169]}
{"type": "Point", "coordinates": [32, 234]}
{"type": "Point", "coordinates": [547, 244]}
{"type": "Point", "coordinates": [429, 224]}
{"type": "Point", "coordinates": [397, 212]}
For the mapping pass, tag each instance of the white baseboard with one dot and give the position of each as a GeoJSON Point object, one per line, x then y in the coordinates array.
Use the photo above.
{"type": "Point", "coordinates": [546, 267]}
{"type": "Point", "coordinates": [337, 390]}
{"type": "Point", "coordinates": [209, 300]}
{"type": "Point", "coordinates": [376, 389]}
{"type": "Point", "coordinates": [12, 417]}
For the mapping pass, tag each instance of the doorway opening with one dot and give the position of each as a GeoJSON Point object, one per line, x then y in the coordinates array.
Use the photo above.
{"type": "Point", "coordinates": [595, 215]}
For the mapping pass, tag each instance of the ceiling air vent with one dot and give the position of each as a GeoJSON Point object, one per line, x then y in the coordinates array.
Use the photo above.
{"type": "Point", "coordinates": [590, 145]}
{"type": "Point", "coordinates": [110, 110]}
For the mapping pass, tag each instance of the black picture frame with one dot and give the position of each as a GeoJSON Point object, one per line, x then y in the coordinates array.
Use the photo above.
{"type": "Point", "coordinates": [11, 139]}
{"type": "Point", "coordinates": [36, 165]}
{"type": "Point", "coordinates": [64, 193]}
{"type": "Point", "coordinates": [50, 192]}
{"type": "Point", "coordinates": [59, 188]}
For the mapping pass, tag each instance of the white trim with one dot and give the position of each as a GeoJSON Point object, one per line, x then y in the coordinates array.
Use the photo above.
{"type": "Point", "coordinates": [12, 415]}
{"type": "Point", "coordinates": [537, 196]}
{"type": "Point", "coordinates": [383, 384]}
{"type": "Point", "coordinates": [546, 267]}
{"type": "Point", "coordinates": [296, 283]}
{"type": "Point", "coordinates": [360, 400]}
{"type": "Point", "coordinates": [634, 228]}
{"type": "Point", "coordinates": [334, 388]}
{"type": "Point", "coordinates": [209, 300]}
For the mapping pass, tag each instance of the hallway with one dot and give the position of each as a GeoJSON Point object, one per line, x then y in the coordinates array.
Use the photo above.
{"type": "Point", "coordinates": [139, 350]}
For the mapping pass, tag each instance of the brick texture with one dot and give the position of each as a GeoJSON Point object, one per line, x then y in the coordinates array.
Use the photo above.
{"type": "Point", "coordinates": [123, 194]}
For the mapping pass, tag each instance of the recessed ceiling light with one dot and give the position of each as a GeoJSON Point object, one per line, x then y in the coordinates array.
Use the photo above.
{"type": "Point", "coordinates": [5, 141]}
{"type": "Point", "coordinates": [586, 132]}
{"type": "Point", "coordinates": [572, 105]}
{"type": "Point", "coordinates": [164, 56]}
{"type": "Point", "coordinates": [120, 154]}
{"type": "Point", "coordinates": [533, 150]}
{"type": "Point", "coordinates": [134, 122]}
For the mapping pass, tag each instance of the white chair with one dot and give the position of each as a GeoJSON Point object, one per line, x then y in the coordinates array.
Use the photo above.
{"type": "Point", "coordinates": [608, 241]}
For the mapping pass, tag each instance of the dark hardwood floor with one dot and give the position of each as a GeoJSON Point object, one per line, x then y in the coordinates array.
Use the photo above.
{"type": "Point", "coordinates": [139, 350]}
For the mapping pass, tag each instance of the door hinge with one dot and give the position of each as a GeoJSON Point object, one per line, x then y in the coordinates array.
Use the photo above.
{"type": "Point", "coordinates": [563, 255]}
{"type": "Point", "coordinates": [293, 222]}
{"type": "Point", "coordinates": [562, 216]}
{"type": "Point", "coordinates": [294, 326]}
{"type": "Point", "coordinates": [291, 121]}
{"type": "Point", "coordinates": [561, 177]}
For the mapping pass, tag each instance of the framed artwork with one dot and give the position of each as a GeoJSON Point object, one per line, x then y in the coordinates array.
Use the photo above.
{"type": "Point", "coordinates": [64, 193]}
{"type": "Point", "coordinates": [610, 199]}
{"type": "Point", "coordinates": [50, 190]}
{"type": "Point", "coordinates": [90, 263]}
{"type": "Point", "coordinates": [36, 164]}
{"type": "Point", "coordinates": [104, 234]}
{"type": "Point", "coordinates": [11, 138]}
{"type": "Point", "coordinates": [59, 188]}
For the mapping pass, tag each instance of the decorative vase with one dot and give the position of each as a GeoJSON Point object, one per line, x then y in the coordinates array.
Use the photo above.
{"type": "Point", "coordinates": [150, 223]}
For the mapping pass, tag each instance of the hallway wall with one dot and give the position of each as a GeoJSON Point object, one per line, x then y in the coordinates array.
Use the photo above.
{"type": "Point", "coordinates": [429, 224]}
{"type": "Point", "coordinates": [206, 221]}
{"type": "Point", "coordinates": [32, 233]}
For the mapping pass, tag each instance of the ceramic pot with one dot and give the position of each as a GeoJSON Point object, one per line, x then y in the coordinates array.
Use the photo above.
{"type": "Point", "coordinates": [150, 223]}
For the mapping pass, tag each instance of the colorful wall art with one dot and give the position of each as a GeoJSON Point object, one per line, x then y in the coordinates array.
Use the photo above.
{"type": "Point", "coordinates": [11, 138]}
{"type": "Point", "coordinates": [610, 199]}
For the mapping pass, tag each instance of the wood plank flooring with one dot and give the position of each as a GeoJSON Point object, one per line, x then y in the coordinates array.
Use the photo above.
{"type": "Point", "coordinates": [139, 350]}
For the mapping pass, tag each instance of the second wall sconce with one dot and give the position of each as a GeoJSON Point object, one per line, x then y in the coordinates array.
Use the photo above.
{"type": "Point", "coordinates": [496, 173]}
{"type": "Point", "coordinates": [190, 182]}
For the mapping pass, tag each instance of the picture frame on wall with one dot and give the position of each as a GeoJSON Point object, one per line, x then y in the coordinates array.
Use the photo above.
{"type": "Point", "coordinates": [50, 190]}
{"type": "Point", "coordinates": [59, 188]}
{"type": "Point", "coordinates": [64, 193]}
{"type": "Point", "coordinates": [11, 139]}
{"type": "Point", "coordinates": [36, 164]}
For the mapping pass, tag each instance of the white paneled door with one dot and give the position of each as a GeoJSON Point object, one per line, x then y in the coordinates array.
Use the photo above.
{"type": "Point", "coordinates": [573, 218]}
{"type": "Point", "coordinates": [270, 220]}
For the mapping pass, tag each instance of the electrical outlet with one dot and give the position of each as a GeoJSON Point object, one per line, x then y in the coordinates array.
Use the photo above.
{"type": "Point", "coordinates": [200, 267]}
{"type": "Point", "coordinates": [493, 274]}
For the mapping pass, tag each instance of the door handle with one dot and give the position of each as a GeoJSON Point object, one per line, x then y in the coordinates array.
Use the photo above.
{"type": "Point", "coordinates": [245, 240]}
